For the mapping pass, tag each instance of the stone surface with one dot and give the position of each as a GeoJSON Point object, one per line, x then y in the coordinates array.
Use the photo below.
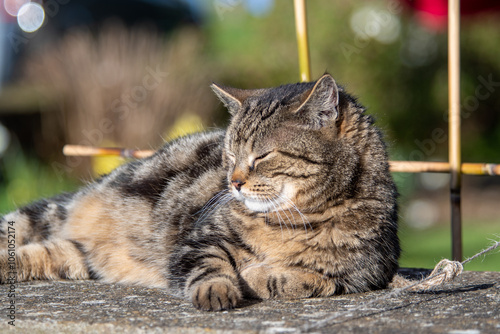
{"type": "Point", "coordinates": [469, 305]}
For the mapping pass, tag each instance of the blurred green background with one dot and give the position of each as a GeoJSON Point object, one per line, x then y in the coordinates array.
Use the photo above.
{"type": "Point", "coordinates": [117, 83]}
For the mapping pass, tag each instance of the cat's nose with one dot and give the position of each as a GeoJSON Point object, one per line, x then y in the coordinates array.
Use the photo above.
{"type": "Point", "coordinates": [237, 184]}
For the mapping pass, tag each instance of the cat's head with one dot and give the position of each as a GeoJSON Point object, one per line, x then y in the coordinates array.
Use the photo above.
{"type": "Point", "coordinates": [280, 145]}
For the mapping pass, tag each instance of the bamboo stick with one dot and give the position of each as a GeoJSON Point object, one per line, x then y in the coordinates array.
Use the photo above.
{"type": "Point", "coordinates": [302, 42]}
{"type": "Point", "coordinates": [443, 167]}
{"type": "Point", "coordinates": [454, 126]}
{"type": "Point", "coordinates": [395, 166]}
{"type": "Point", "coordinates": [80, 150]}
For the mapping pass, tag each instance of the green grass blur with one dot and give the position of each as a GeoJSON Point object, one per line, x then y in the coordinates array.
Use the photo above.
{"type": "Point", "coordinates": [25, 179]}
{"type": "Point", "coordinates": [425, 248]}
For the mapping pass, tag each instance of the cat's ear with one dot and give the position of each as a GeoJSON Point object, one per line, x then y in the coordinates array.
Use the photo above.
{"type": "Point", "coordinates": [233, 98]}
{"type": "Point", "coordinates": [321, 102]}
{"type": "Point", "coordinates": [228, 96]}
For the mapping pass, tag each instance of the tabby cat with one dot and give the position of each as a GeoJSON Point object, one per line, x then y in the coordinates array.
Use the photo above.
{"type": "Point", "coordinates": [293, 200]}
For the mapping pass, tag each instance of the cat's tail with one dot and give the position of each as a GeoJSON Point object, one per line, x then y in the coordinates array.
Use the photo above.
{"type": "Point", "coordinates": [36, 222]}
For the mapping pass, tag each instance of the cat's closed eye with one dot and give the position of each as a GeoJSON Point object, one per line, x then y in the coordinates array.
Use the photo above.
{"type": "Point", "coordinates": [254, 161]}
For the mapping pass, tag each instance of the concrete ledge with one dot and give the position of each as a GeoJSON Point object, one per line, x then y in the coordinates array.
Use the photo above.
{"type": "Point", "coordinates": [469, 305]}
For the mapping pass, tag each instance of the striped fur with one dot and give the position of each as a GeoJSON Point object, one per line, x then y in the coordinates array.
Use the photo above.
{"type": "Point", "coordinates": [293, 200]}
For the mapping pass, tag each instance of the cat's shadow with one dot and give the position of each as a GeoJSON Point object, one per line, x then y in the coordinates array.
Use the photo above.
{"type": "Point", "coordinates": [251, 301]}
{"type": "Point", "coordinates": [248, 302]}
{"type": "Point", "coordinates": [432, 296]}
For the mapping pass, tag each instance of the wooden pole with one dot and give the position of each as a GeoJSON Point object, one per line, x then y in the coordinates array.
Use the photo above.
{"type": "Point", "coordinates": [80, 150]}
{"type": "Point", "coordinates": [395, 166]}
{"type": "Point", "coordinates": [454, 126]}
{"type": "Point", "coordinates": [443, 167]}
{"type": "Point", "coordinates": [302, 42]}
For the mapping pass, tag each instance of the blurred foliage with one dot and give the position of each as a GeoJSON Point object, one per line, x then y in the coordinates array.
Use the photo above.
{"type": "Point", "coordinates": [186, 124]}
{"type": "Point", "coordinates": [24, 178]}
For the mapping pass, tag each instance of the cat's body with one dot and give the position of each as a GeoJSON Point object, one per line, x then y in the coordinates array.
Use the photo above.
{"type": "Point", "coordinates": [294, 200]}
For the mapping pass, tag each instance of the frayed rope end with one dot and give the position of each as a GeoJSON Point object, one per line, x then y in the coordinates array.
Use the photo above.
{"type": "Point", "coordinates": [445, 271]}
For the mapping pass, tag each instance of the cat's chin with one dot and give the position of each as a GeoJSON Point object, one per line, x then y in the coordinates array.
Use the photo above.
{"type": "Point", "coordinates": [268, 205]}
{"type": "Point", "coordinates": [259, 206]}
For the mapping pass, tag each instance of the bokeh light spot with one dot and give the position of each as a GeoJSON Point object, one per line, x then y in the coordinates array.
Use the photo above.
{"type": "Point", "coordinates": [30, 17]}
{"type": "Point", "coordinates": [12, 6]}
{"type": "Point", "coordinates": [377, 23]}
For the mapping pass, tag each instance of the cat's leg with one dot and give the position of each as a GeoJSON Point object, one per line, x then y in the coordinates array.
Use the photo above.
{"type": "Point", "coordinates": [266, 282]}
{"type": "Point", "coordinates": [205, 273]}
{"type": "Point", "coordinates": [51, 259]}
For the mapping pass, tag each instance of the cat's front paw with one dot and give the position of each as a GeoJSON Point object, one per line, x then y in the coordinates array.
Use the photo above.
{"type": "Point", "coordinates": [216, 295]}
{"type": "Point", "coordinates": [266, 282]}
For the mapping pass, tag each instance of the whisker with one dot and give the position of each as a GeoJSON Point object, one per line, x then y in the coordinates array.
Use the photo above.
{"type": "Point", "coordinates": [280, 219]}
{"type": "Point", "coordinates": [221, 198]}
{"type": "Point", "coordinates": [212, 200]}
{"type": "Point", "coordinates": [292, 204]}
{"type": "Point", "coordinates": [280, 208]}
